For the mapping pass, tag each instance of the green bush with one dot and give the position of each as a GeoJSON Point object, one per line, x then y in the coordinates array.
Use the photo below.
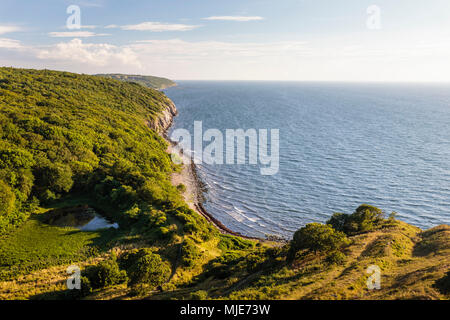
{"type": "Point", "coordinates": [189, 253]}
{"type": "Point", "coordinates": [365, 218]}
{"type": "Point", "coordinates": [255, 261]}
{"type": "Point", "coordinates": [336, 257]}
{"type": "Point", "coordinates": [339, 221]}
{"type": "Point", "coordinates": [7, 199]}
{"type": "Point", "coordinates": [145, 267]}
{"type": "Point", "coordinates": [228, 242]}
{"type": "Point", "coordinates": [226, 265]}
{"type": "Point", "coordinates": [193, 223]}
{"type": "Point", "coordinates": [318, 237]}
{"type": "Point", "coordinates": [181, 187]}
{"type": "Point", "coordinates": [86, 287]}
{"type": "Point", "coordinates": [57, 177]}
{"type": "Point", "coordinates": [105, 274]}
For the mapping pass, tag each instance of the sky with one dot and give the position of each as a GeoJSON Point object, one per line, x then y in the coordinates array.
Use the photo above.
{"type": "Point", "coordinates": [290, 40]}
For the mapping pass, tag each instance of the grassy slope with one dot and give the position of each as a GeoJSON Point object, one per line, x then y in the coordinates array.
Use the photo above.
{"type": "Point", "coordinates": [147, 81]}
{"type": "Point", "coordinates": [410, 261]}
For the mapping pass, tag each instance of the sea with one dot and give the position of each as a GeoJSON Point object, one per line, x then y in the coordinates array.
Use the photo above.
{"type": "Point", "coordinates": [340, 145]}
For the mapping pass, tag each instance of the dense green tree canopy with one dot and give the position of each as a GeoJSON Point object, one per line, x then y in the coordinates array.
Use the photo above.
{"type": "Point", "coordinates": [62, 132]}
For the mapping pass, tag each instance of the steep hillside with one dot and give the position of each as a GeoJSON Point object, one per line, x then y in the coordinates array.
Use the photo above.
{"type": "Point", "coordinates": [69, 140]}
{"type": "Point", "coordinates": [147, 81]}
{"type": "Point", "coordinates": [63, 132]}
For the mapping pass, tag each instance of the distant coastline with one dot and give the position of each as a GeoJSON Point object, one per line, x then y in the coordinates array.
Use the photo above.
{"type": "Point", "coordinates": [151, 82]}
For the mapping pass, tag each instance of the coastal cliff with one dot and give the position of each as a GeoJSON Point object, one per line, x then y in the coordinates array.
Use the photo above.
{"type": "Point", "coordinates": [163, 121]}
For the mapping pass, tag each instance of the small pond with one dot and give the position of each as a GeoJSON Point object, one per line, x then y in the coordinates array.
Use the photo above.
{"type": "Point", "coordinates": [82, 217]}
{"type": "Point", "coordinates": [97, 223]}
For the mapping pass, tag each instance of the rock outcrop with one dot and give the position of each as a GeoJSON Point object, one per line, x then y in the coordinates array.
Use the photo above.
{"type": "Point", "coordinates": [164, 120]}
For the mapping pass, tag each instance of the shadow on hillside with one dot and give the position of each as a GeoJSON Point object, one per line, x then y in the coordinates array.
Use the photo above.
{"type": "Point", "coordinates": [434, 241]}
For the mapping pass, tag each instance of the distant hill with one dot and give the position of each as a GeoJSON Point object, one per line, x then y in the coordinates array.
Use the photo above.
{"type": "Point", "coordinates": [147, 81]}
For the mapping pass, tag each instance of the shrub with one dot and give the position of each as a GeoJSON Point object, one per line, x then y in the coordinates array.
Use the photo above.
{"type": "Point", "coordinates": [56, 176]}
{"type": "Point", "coordinates": [146, 267]}
{"type": "Point", "coordinates": [189, 253]}
{"type": "Point", "coordinates": [228, 242]}
{"type": "Point", "coordinates": [132, 214]}
{"type": "Point", "coordinates": [181, 187]}
{"type": "Point", "coordinates": [338, 221]}
{"type": "Point", "coordinates": [105, 274]}
{"type": "Point", "coordinates": [318, 237]}
{"type": "Point", "coordinates": [165, 233]}
{"type": "Point", "coordinates": [255, 260]}
{"type": "Point", "coordinates": [365, 218]}
{"type": "Point", "coordinates": [336, 257]}
{"type": "Point", "coordinates": [7, 199]}
{"type": "Point", "coordinates": [86, 287]}
{"type": "Point", "coordinates": [47, 196]}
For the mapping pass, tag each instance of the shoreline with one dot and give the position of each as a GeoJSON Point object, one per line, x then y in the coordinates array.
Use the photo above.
{"type": "Point", "coordinates": [195, 188]}
{"type": "Point", "coordinates": [194, 193]}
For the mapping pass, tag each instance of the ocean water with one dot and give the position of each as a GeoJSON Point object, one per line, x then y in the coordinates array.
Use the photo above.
{"type": "Point", "coordinates": [341, 145]}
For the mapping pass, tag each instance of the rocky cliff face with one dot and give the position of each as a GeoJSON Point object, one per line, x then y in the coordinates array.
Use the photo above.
{"type": "Point", "coordinates": [164, 120]}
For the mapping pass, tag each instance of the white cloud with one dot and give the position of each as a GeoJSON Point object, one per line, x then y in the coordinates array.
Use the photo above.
{"type": "Point", "coordinates": [75, 34]}
{"type": "Point", "coordinates": [10, 43]}
{"type": "Point", "coordinates": [215, 50]}
{"type": "Point", "coordinates": [111, 26]}
{"type": "Point", "coordinates": [98, 55]}
{"type": "Point", "coordinates": [88, 27]}
{"type": "Point", "coordinates": [159, 27]}
{"type": "Point", "coordinates": [8, 29]}
{"type": "Point", "coordinates": [235, 18]}
{"type": "Point", "coordinates": [337, 58]}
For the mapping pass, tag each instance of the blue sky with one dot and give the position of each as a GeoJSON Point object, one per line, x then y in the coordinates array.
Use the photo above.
{"type": "Point", "coordinates": [402, 40]}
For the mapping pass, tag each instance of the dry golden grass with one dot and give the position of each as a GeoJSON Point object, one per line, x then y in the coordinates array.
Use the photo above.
{"type": "Point", "coordinates": [39, 282]}
{"type": "Point", "coordinates": [411, 260]}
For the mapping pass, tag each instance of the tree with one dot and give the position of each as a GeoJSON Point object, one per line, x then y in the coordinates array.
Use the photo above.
{"type": "Point", "coordinates": [318, 237]}
{"type": "Point", "coordinates": [7, 199]}
{"type": "Point", "coordinates": [148, 268]}
{"type": "Point", "coordinates": [365, 218]}
{"type": "Point", "coordinates": [57, 177]}
{"type": "Point", "coordinates": [106, 273]}
{"type": "Point", "coordinates": [189, 253]}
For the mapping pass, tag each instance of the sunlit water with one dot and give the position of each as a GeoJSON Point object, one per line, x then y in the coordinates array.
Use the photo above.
{"type": "Point", "coordinates": [98, 223]}
{"type": "Point", "coordinates": [341, 145]}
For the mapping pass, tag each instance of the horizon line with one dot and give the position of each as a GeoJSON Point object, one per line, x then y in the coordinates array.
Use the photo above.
{"type": "Point", "coordinates": [252, 80]}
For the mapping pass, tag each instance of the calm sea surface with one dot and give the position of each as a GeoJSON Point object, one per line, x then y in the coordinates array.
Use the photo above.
{"type": "Point", "coordinates": [341, 145]}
